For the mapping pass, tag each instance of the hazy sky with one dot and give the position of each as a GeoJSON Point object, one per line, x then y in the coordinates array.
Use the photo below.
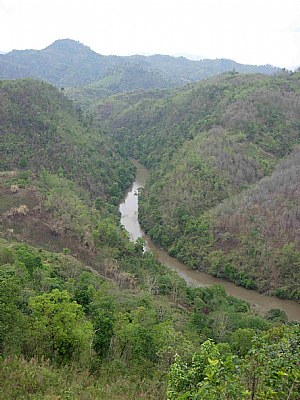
{"type": "Point", "coordinates": [248, 31]}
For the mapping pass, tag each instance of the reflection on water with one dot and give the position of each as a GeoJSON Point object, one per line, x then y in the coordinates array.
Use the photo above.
{"type": "Point", "coordinates": [129, 218]}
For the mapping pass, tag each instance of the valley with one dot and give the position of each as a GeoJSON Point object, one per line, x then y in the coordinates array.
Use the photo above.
{"type": "Point", "coordinates": [149, 227]}
{"type": "Point", "coordinates": [129, 219]}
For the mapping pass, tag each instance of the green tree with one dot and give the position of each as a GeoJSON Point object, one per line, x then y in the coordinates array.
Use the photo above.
{"type": "Point", "coordinates": [12, 322]}
{"type": "Point", "coordinates": [60, 330]}
{"type": "Point", "coordinates": [271, 368]}
{"type": "Point", "coordinates": [208, 376]}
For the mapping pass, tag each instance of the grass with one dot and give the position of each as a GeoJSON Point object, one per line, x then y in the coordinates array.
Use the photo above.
{"type": "Point", "coordinates": [35, 380]}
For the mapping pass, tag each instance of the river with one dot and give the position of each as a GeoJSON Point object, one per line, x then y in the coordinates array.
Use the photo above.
{"type": "Point", "coordinates": [129, 218]}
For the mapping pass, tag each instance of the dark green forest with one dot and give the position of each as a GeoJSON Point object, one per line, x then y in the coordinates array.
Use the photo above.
{"type": "Point", "coordinates": [87, 314]}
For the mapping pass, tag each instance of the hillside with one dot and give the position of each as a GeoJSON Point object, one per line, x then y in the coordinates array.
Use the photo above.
{"type": "Point", "coordinates": [79, 302]}
{"type": "Point", "coordinates": [85, 313]}
{"type": "Point", "coordinates": [67, 63]}
{"type": "Point", "coordinates": [40, 128]}
{"type": "Point", "coordinates": [63, 63]}
{"type": "Point", "coordinates": [152, 125]}
{"type": "Point", "coordinates": [206, 143]}
{"type": "Point", "coordinates": [125, 78]}
{"type": "Point", "coordinates": [66, 331]}
{"type": "Point", "coordinates": [59, 174]}
{"type": "Point", "coordinates": [187, 70]}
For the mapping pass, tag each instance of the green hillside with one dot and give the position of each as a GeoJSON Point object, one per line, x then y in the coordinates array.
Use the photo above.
{"type": "Point", "coordinates": [87, 314]}
{"type": "Point", "coordinates": [187, 70]}
{"type": "Point", "coordinates": [58, 63]}
{"type": "Point", "coordinates": [80, 304]}
{"type": "Point", "coordinates": [206, 143]}
{"type": "Point", "coordinates": [66, 331]}
{"type": "Point", "coordinates": [40, 128]}
{"type": "Point", "coordinates": [68, 63]}
{"type": "Point", "coordinates": [263, 108]}
{"type": "Point", "coordinates": [128, 77]}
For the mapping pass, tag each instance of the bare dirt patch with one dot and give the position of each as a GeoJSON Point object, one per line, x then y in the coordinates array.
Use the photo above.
{"type": "Point", "coordinates": [35, 226]}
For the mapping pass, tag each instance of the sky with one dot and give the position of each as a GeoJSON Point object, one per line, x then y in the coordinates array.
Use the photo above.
{"type": "Point", "coordinates": [247, 31]}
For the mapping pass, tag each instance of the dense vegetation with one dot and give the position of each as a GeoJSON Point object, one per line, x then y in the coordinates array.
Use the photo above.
{"type": "Point", "coordinates": [41, 129]}
{"type": "Point", "coordinates": [65, 330]}
{"type": "Point", "coordinates": [214, 373]}
{"type": "Point", "coordinates": [67, 63]}
{"type": "Point", "coordinates": [208, 145]}
{"type": "Point", "coordinates": [85, 313]}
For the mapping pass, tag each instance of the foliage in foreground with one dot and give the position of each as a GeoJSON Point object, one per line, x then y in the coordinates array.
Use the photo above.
{"type": "Point", "coordinates": [67, 319]}
{"type": "Point", "coordinates": [269, 370]}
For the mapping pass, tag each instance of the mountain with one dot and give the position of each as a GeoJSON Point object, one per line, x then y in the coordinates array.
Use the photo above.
{"type": "Point", "coordinates": [85, 313]}
{"type": "Point", "coordinates": [189, 70]}
{"type": "Point", "coordinates": [223, 196]}
{"type": "Point", "coordinates": [40, 128]}
{"type": "Point", "coordinates": [64, 63]}
{"type": "Point", "coordinates": [68, 63]}
{"type": "Point", "coordinates": [193, 57]}
{"type": "Point", "coordinates": [124, 78]}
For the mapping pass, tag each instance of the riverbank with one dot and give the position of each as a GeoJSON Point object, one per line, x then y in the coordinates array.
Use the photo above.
{"type": "Point", "coordinates": [129, 218]}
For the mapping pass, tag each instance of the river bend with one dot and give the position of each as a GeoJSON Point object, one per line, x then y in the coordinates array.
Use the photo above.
{"type": "Point", "coordinates": [129, 219]}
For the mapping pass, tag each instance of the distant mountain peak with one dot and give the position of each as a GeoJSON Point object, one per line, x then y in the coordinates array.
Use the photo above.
{"type": "Point", "coordinates": [192, 57]}
{"type": "Point", "coordinates": [67, 62]}
{"type": "Point", "coordinates": [68, 45]}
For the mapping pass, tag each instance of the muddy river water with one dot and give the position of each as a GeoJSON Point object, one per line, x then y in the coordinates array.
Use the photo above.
{"type": "Point", "coordinates": [129, 218]}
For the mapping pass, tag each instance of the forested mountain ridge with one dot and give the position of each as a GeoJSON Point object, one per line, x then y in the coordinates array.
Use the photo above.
{"type": "Point", "coordinates": [87, 314]}
{"type": "Point", "coordinates": [157, 72]}
{"type": "Point", "coordinates": [208, 142]}
{"type": "Point", "coordinates": [63, 172]}
{"type": "Point", "coordinates": [67, 63]}
{"type": "Point", "coordinates": [40, 128]}
{"type": "Point", "coordinates": [58, 63]}
{"type": "Point", "coordinates": [187, 70]}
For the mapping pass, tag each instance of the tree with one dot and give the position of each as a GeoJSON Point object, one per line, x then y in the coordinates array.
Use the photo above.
{"type": "Point", "coordinates": [208, 376]}
{"type": "Point", "coordinates": [11, 318]}
{"type": "Point", "coordinates": [269, 370]}
{"type": "Point", "coordinates": [60, 330]}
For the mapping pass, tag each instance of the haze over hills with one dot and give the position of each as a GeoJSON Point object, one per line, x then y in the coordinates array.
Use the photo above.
{"type": "Point", "coordinates": [69, 63]}
{"type": "Point", "coordinates": [192, 57]}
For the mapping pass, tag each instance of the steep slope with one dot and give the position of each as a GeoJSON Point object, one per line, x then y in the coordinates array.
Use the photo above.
{"type": "Point", "coordinates": [124, 78]}
{"type": "Point", "coordinates": [251, 238]}
{"type": "Point", "coordinates": [65, 330]}
{"type": "Point", "coordinates": [206, 143]}
{"type": "Point", "coordinates": [108, 327]}
{"type": "Point", "coordinates": [40, 128]}
{"type": "Point", "coordinates": [68, 63]}
{"type": "Point", "coordinates": [258, 231]}
{"type": "Point", "coordinates": [151, 127]}
{"type": "Point", "coordinates": [84, 312]}
{"type": "Point", "coordinates": [63, 63]}
{"type": "Point", "coordinates": [59, 176]}
{"type": "Point", "coordinates": [157, 72]}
